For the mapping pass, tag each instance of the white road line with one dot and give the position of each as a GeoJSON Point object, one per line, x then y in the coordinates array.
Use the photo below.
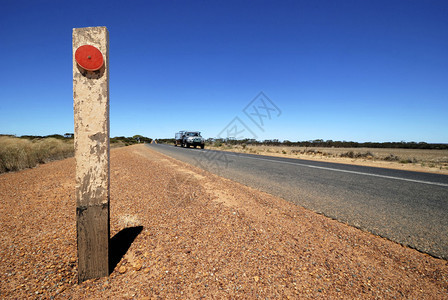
{"type": "Point", "coordinates": [343, 171]}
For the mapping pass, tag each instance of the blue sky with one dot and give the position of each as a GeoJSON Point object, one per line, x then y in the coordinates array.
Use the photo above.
{"type": "Point", "coordinates": [340, 70]}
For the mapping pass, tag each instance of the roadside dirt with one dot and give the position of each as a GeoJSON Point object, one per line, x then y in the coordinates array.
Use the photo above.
{"type": "Point", "coordinates": [201, 236]}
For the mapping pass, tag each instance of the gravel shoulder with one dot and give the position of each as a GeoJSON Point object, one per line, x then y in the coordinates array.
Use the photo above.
{"type": "Point", "coordinates": [202, 236]}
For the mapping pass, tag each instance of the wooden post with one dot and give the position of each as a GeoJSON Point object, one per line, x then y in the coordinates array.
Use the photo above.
{"type": "Point", "coordinates": [91, 114]}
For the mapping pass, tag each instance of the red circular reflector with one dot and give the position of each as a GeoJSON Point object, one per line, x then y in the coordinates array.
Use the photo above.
{"type": "Point", "coordinates": [89, 58]}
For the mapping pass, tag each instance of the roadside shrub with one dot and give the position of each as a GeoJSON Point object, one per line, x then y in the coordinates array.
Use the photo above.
{"type": "Point", "coordinates": [369, 154]}
{"type": "Point", "coordinates": [408, 161]}
{"type": "Point", "coordinates": [313, 152]}
{"type": "Point", "coordinates": [391, 157]}
{"type": "Point", "coordinates": [351, 154]}
{"type": "Point", "coordinates": [18, 154]}
{"type": "Point", "coordinates": [13, 154]}
{"type": "Point", "coordinates": [253, 151]}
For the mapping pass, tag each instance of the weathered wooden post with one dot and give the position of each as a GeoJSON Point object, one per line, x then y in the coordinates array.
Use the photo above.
{"type": "Point", "coordinates": [91, 113]}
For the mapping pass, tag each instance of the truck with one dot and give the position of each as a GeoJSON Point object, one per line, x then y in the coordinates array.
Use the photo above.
{"type": "Point", "coordinates": [186, 139]}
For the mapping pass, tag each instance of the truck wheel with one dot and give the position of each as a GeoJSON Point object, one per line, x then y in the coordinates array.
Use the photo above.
{"type": "Point", "coordinates": [194, 146]}
{"type": "Point", "coordinates": [187, 145]}
{"type": "Point", "coordinates": [202, 146]}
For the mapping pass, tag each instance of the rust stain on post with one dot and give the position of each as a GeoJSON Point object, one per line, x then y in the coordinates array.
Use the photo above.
{"type": "Point", "coordinates": [91, 114]}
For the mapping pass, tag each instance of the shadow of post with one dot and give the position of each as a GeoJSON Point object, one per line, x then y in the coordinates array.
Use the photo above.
{"type": "Point", "coordinates": [120, 243]}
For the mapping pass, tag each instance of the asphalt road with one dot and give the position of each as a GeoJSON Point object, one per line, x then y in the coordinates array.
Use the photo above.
{"type": "Point", "coordinates": [410, 208]}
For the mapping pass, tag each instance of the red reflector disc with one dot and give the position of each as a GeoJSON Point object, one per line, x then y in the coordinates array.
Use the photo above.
{"type": "Point", "coordinates": [89, 58]}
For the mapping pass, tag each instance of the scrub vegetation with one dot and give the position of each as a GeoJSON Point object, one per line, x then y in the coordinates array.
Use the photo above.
{"type": "Point", "coordinates": [401, 155]}
{"type": "Point", "coordinates": [21, 153]}
{"type": "Point", "coordinates": [434, 158]}
{"type": "Point", "coordinates": [18, 153]}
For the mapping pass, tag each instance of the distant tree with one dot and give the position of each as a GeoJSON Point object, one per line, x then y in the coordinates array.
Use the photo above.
{"type": "Point", "coordinates": [56, 136]}
{"type": "Point", "coordinates": [138, 137]}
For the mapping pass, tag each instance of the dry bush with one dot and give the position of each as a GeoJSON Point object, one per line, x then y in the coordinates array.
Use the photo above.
{"type": "Point", "coordinates": [18, 154]}
{"type": "Point", "coordinates": [117, 144]}
{"type": "Point", "coordinates": [352, 154]}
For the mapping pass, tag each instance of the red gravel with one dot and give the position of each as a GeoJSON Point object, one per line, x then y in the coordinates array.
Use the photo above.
{"type": "Point", "coordinates": [203, 236]}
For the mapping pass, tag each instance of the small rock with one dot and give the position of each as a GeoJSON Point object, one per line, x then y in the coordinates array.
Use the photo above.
{"type": "Point", "coordinates": [122, 270]}
{"type": "Point", "coordinates": [138, 266]}
{"type": "Point", "coordinates": [72, 260]}
{"type": "Point", "coordinates": [256, 278]}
